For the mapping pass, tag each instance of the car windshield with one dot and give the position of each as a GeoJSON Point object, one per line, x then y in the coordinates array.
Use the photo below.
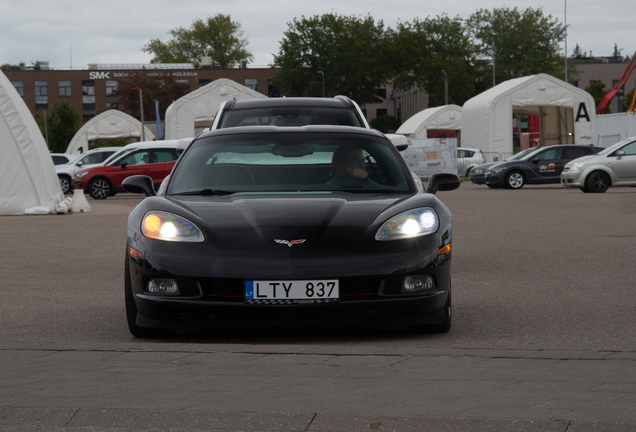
{"type": "Point", "coordinates": [290, 162]}
{"type": "Point", "coordinates": [289, 116]}
{"type": "Point", "coordinates": [521, 154]}
{"type": "Point", "coordinates": [530, 155]}
{"type": "Point", "coordinates": [615, 147]}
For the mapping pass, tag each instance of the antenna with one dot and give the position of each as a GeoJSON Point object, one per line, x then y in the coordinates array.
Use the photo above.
{"type": "Point", "coordinates": [71, 45]}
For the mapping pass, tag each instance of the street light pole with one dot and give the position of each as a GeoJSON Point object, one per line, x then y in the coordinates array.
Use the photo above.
{"type": "Point", "coordinates": [445, 87]}
{"type": "Point", "coordinates": [141, 109]}
{"type": "Point", "coordinates": [46, 128]}
{"type": "Point", "coordinates": [323, 82]}
{"type": "Point", "coordinates": [566, 40]}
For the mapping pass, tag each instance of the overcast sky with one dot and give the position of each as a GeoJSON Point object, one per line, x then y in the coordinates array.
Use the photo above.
{"type": "Point", "coordinates": [114, 31]}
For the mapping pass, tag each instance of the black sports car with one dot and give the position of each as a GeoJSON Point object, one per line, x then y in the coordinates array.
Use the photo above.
{"type": "Point", "coordinates": [287, 224]}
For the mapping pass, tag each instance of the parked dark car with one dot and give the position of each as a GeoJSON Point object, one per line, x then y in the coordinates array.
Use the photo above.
{"type": "Point", "coordinates": [542, 166]}
{"type": "Point", "coordinates": [478, 174]}
{"type": "Point", "coordinates": [278, 224]}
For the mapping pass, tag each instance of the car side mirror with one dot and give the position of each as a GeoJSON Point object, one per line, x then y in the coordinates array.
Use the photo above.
{"type": "Point", "coordinates": [442, 182]}
{"type": "Point", "coordinates": [620, 153]}
{"type": "Point", "coordinates": [399, 141]}
{"type": "Point", "coordinates": [139, 184]}
{"type": "Point", "coordinates": [536, 160]}
{"type": "Point", "coordinates": [123, 165]}
{"type": "Point", "coordinates": [80, 163]}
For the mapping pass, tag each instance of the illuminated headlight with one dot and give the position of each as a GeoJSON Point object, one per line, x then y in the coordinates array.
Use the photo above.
{"type": "Point", "coordinates": [577, 166]}
{"type": "Point", "coordinates": [81, 174]}
{"type": "Point", "coordinates": [163, 286]}
{"type": "Point", "coordinates": [412, 223]}
{"type": "Point", "coordinates": [166, 226]}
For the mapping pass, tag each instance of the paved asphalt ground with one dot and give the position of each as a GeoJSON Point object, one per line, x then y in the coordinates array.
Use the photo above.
{"type": "Point", "coordinates": [543, 337]}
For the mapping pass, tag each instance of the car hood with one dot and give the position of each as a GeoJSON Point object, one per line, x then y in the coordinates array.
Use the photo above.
{"type": "Point", "coordinates": [70, 168]}
{"type": "Point", "coordinates": [318, 210]}
{"type": "Point", "coordinates": [582, 159]}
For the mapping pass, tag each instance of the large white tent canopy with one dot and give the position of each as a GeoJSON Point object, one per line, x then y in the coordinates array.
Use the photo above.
{"type": "Point", "coordinates": [446, 117]}
{"type": "Point", "coordinates": [201, 106]}
{"type": "Point", "coordinates": [111, 124]}
{"type": "Point", "coordinates": [27, 175]}
{"type": "Point", "coordinates": [487, 121]}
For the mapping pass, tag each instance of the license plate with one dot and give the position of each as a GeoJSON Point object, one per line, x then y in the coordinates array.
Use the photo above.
{"type": "Point", "coordinates": [292, 292]}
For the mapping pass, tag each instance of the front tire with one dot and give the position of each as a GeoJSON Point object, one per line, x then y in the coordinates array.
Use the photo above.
{"type": "Point", "coordinates": [99, 188]}
{"type": "Point", "coordinates": [66, 184]}
{"type": "Point", "coordinates": [131, 311]}
{"type": "Point", "coordinates": [515, 180]}
{"type": "Point", "coordinates": [598, 182]}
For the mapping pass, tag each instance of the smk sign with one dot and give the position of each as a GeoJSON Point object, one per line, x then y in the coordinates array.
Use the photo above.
{"type": "Point", "coordinates": [99, 75]}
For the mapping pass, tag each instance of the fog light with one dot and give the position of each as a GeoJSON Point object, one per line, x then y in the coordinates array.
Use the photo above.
{"type": "Point", "coordinates": [413, 284]}
{"type": "Point", "coordinates": [163, 286]}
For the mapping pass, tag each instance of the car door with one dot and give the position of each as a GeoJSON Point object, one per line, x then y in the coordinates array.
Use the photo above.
{"type": "Point", "coordinates": [624, 166]}
{"type": "Point", "coordinates": [130, 165]}
{"type": "Point", "coordinates": [546, 166]}
{"type": "Point", "coordinates": [162, 161]}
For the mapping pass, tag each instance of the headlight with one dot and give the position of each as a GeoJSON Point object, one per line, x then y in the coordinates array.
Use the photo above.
{"type": "Point", "coordinates": [577, 166]}
{"type": "Point", "coordinates": [412, 223]}
{"type": "Point", "coordinates": [81, 174]}
{"type": "Point", "coordinates": [495, 170]}
{"type": "Point", "coordinates": [166, 226]}
{"type": "Point", "coordinates": [478, 171]}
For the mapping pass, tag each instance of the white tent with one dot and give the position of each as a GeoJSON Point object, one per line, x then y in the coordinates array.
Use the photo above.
{"type": "Point", "coordinates": [446, 117]}
{"type": "Point", "coordinates": [28, 182]}
{"type": "Point", "coordinates": [487, 118]}
{"type": "Point", "coordinates": [201, 106]}
{"type": "Point", "coordinates": [613, 128]}
{"type": "Point", "coordinates": [111, 124]}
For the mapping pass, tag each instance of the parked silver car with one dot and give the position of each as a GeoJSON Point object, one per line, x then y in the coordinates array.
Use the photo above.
{"type": "Point", "coordinates": [467, 159]}
{"type": "Point", "coordinates": [614, 166]}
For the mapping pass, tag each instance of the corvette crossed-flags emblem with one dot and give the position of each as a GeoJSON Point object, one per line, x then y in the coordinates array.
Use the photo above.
{"type": "Point", "coordinates": [290, 243]}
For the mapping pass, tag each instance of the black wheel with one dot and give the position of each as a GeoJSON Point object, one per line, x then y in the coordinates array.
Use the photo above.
{"type": "Point", "coordinates": [131, 311]}
{"type": "Point", "coordinates": [66, 184]}
{"type": "Point", "coordinates": [442, 327]}
{"type": "Point", "coordinates": [99, 188]}
{"type": "Point", "coordinates": [515, 180]}
{"type": "Point", "coordinates": [598, 182]}
{"type": "Point", "coordinates": [493, 186]}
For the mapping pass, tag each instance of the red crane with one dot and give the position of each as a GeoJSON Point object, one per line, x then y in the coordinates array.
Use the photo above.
{"type": "Point", "coordinates": [602, 107]}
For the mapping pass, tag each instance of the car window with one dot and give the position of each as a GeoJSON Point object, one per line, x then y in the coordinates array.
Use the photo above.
{"type": "Point", "coordinates": [59, 160]}
{"type": "Point", "coordinates": [460, 153]}
{"type": "Point", "coordinates": [550, 154]}
{"type": "Point", "coordinates": [630, 149]}
{"type": "Point", "coordinates": [95, 158]}
{"type": "Point", "coordinates": [289, 116]}
{"type": "Point", "coordinates": [576, 152]}
{"type": "Point", "coordinates": [469, 154]}
{"type": "Point", "coordinates": [291, 162]}
{"type": "Point", "coordinates": [164, 156]}
{"type": "Point", "coordinates": [140, 157]}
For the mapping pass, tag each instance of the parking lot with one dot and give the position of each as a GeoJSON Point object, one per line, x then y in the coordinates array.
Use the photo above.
{"type": "Point", "coordinates": [543, 272]}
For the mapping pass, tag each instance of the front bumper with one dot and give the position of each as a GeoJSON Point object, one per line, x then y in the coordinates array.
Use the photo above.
{"type": "Point", "coordinates": [80, 182]}
{"type": "Point", "coordinates": [478, 178]}
{"type": "Point", "coordinates": [495, 178]}
{"type": "Point", "coordinates": [572, 179]}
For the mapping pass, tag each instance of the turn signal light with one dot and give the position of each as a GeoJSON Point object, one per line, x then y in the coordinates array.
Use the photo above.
{"type": "Point", "coordinates": [446, 249]}
{"type": "Point", "coordinates": [152, 224]}
{"type": "Point", "coordinates": [134, 253]}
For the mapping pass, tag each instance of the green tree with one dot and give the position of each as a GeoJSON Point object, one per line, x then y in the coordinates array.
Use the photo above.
{"type": "Point", "coordinates": [164, 89]}
{"type": "Point", "coordinates": [6, 66]}
{"type": "Point", "coordinates": [627, 101]}
{"type": "Point", "coordinates": [218, 37]}
{"type": "Point", "coordinates": [385, 123]}
{"type": "Point", "coordinates": [421, 52]}
{"type": "Point", "coordinates": [597, 90]}
{"type": "Point", "coordinates": [349, 50]}
{"type": "Point", "coordinates": [525, 42]}
{"type": "Point", "coordinates": [62, 123]}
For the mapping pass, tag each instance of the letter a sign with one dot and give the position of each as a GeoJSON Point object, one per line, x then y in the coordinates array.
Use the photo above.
{"type": "Point", "coordinates": [582, 113]}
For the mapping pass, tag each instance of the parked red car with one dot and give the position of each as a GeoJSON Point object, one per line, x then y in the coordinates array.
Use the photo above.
{"type": "Point", "coordinates": [154, 159]}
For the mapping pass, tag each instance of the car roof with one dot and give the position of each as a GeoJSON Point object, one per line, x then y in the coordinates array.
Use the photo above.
{"type": "Point", "coordinates": [469, 148]}
{"type": "Point", "coordinates": [294, 129]}
{"type": "Point", "coordinates": [336, 102]}
{"type": "Point", "coordinates": [145, 144]}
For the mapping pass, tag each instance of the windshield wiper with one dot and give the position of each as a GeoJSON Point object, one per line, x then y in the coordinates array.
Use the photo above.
{"type": "Point", "coordinates": [206, 192]}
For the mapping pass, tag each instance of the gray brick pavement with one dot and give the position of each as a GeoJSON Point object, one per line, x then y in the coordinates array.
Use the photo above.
{"type": "Point", "coordinates": [242, 387]}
